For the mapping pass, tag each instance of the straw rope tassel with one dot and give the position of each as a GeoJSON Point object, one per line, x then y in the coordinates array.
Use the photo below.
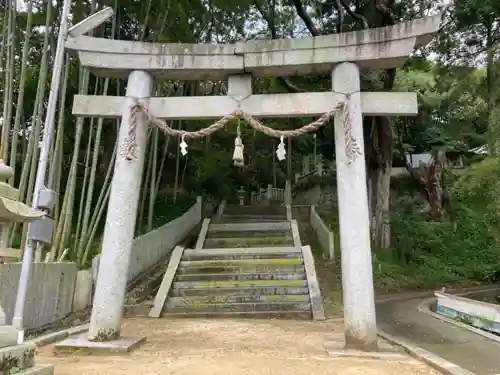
{"type": "Point", "coordinates": [238, 159]}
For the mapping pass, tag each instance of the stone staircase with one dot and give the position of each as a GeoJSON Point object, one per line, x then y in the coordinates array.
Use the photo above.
{"type": "Point", "coordinates": [247, 265]}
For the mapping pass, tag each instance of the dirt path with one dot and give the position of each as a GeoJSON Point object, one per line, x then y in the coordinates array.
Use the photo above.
{"type": "Point", "coordinates": [235, 347]}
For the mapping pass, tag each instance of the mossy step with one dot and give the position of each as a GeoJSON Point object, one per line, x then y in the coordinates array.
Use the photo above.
{"type": "Point", "coordinates": [242, 262]}
{"type": "Point", "coordinates": [244, 220]}
{"type": "Point", "coordinates": [290, 314]}
{"type": "Point", "coordinates": [237, 291]}
{"type": "Point", "coordinates": [211, 243]}
{"type": "Point", "coordinates": [190, 268]}
{"type": "Point", "coordinates": [255, 209]}
{"type": "Point", "coordinates": [244, 215]}
{"type": "Point", "coordinates": [249, 234]}
{"type": "Point", "coordinates": [250, 227]}
{"type": "Point", "coordinates": [239, 283]}
{"type": "Point", "coordinates": [242, 307]}
{"type": "Point", "coordinates": [174, 302]}
{"type": "Point", "coordinates": [243, 253]}
{"type": "Point", "coordinates": [242, 276]}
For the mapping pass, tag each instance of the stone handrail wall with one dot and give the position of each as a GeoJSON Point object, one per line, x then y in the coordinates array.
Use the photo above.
{"type": "Point", "coordinates": [324, 235]}
{"type": "Point", "coordinates": [150, 248]}
{"type": "Point", "coordinates": [274, 194]}
{"type": "Point", "coordinates": [50, 292]}
{"type": "Point", "coordinates": [288, 209]}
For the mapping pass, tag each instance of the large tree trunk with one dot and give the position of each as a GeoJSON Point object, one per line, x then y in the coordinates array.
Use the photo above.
{"type": "Point", "coordinates": [379, 165]}
{"type": "Point", "coordinates": [430, 180]}
{"type": "Point", "coordinates": [381, 151]}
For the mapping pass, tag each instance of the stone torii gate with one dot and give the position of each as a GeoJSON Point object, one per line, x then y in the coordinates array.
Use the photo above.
{"type": "Point", "coordinates": [342, 55]}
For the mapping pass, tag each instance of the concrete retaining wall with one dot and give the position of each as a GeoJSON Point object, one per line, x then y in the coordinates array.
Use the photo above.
{"type": "Point", "coordinates": [325, 235]}
{"type": "Point", "coordinates": [50, 292]}
{"type": "Point", "coordinates": [150, 248]}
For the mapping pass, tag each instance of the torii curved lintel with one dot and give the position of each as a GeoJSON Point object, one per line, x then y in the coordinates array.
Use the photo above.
{"type": "Point", "coordinates": [379, 48]}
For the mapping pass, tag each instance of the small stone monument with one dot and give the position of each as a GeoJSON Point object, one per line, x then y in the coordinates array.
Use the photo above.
{"type": "Point", "coordinates": [12, 211]}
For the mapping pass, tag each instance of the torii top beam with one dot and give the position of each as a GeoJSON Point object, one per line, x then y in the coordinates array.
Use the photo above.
{"type": "Point", "coordinates": [379, 48]}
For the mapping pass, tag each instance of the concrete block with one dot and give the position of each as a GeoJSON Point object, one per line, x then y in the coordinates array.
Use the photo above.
{"type": "Point", "coordinates": [17, 358]}
{"type": "Point", "coordinates": [8, 336]}
{"type": "Point", "coordinates": [83, 290]}
{"type": "Point", "coordinates": [38, 370]}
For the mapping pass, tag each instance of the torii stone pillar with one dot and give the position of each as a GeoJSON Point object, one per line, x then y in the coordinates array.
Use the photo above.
{"type": "Point", "coordinates": [357, 278]}
{"type": "Point", "coordinates": [119, 230]}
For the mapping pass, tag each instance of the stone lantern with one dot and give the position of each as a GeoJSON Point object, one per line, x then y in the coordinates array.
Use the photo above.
{"type": "Point", "coordinates": [241, 196]}
{"type": "Point", "coordinates": [12, 211]}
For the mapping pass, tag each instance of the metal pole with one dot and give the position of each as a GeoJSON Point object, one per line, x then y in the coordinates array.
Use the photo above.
{"type": "Point", "coordinates": [17, 320]}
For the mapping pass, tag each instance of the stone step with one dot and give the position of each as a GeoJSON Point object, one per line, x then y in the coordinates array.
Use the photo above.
{"type": "Point", "coordinates": [174, 302]}
{"type": "Point", "coordinates": [214, 284]}
{"type": "Point", "coordinates": [242, 276]}
{"type": "Point", "coordinates": [246, 217]}
{"type": "Point", "coordinates": [242, 253]}
{"type": "Point", "coordinates": [241, 307]}
{"type": "Point", "coordinates": [250, 227]}
{"type": "Point", "coordinates": [214, 243]}
{"type": "Point", "coordinates": [245, 220]}
{"type": "Point", "coordinates": [290, 314]}
{"type": "Point", "coordinates": [14, 359]}
{"type": "Point", "coordinates": [255, 210]}
{"type": "Point", "coordinates": [192, 269]}
{"type": "Point", "coordinates": [244, 234]}
{"type": "Point", "coordinates": [249, 265]}
{"type": "Point", "coordinates": [241, 291]}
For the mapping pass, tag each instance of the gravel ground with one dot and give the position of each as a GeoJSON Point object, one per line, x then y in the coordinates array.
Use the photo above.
{"type": "Point", "coordinates": [236, 347]}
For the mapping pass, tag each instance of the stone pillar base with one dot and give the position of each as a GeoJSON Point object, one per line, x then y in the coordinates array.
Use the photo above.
{"type": "Point", "coordinates": [384, 351]}
{"type": "Point", "coordinates": [80, 345]}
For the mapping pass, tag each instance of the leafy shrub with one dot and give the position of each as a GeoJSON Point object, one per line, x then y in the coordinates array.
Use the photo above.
{"type": "Point", "coordinates": [464, 248]}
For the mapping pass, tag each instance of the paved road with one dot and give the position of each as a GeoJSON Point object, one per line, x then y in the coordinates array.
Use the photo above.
{"type": "Point", "coordinates": [460, 346]}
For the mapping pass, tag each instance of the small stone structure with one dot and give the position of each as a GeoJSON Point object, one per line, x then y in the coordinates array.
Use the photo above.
{"type": "Point", "coordinates": [342, 55]}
